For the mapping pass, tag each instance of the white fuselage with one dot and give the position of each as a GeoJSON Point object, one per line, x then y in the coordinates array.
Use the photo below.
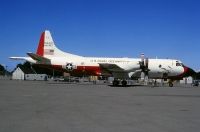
{"type": "Point", "coordinates": [157, 67]}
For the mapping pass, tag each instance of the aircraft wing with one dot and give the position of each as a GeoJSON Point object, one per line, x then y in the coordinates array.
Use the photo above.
{"type": "Point", "coordinates": [111, 67]}
{"type": "Point", "coordinates": [39, 59]}
{"type": "Point", "coordinates": [115, 70]}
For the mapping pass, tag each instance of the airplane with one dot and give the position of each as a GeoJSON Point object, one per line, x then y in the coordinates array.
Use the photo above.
{"type": "Point", "coordinates": [122, 69]}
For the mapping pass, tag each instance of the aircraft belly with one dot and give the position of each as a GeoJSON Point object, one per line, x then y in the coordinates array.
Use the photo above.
{"type": "Point", "coordinates": [155, 75]}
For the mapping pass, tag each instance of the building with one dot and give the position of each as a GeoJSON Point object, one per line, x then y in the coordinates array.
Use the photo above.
{"type": "Point", "coordinates": [18, 74]}
{"type": "Point", "coordinates": [186, 80]}
{"type": "Point", "coordinates": [27, 74]}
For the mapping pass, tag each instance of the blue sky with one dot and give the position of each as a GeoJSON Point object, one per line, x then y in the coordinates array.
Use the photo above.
{"type": "Point", "coordinates": [107, 28]}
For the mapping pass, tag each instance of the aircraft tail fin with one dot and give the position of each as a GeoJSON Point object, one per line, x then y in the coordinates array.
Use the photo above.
{"type": "Point", "coordinates": [47, 47]}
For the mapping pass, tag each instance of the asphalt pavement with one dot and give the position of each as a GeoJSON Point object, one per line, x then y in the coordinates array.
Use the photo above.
{"type": "Point", "coordinates": [33, 106]}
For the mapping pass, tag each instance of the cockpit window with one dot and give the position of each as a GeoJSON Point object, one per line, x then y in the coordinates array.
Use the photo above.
{"type": "Point", "coordinates": [179, 64]}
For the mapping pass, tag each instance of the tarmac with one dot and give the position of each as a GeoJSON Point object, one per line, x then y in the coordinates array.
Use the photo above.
{"type": "Point", "coordinates": [32, 106]}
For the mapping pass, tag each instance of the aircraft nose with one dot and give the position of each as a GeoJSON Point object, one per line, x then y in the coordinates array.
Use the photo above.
{"type": "Point", "coordinates": [188, 71]}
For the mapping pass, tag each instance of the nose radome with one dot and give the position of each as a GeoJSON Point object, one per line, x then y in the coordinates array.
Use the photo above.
{"type": "Point", "coordinates": [188, 71]}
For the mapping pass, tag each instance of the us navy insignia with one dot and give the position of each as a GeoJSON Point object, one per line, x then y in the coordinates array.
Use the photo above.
{"type": "Point", "coordinates": [70, 67]}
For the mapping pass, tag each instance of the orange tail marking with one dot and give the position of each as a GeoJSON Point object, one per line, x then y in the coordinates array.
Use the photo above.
{"type": "Point", "coordinates": [40, 49]}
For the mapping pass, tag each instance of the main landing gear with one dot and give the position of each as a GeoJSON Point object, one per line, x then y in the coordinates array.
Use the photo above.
{"type": "Point", "coordinates": [116, 82]}
{"type": "Point", "coordinates": [171, 83]}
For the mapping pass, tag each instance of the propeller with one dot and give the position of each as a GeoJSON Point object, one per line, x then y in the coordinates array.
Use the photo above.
{"type": "Point", "coordinates": [144, 66]}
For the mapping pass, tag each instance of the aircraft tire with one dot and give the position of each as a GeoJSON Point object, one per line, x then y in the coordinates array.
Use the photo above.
{"type": "Point", "coordinates": [124, 83]}
{"type": "Point", "coordinates": [115, 83]}
{"type": "Point", "coordinates": [171, 85]}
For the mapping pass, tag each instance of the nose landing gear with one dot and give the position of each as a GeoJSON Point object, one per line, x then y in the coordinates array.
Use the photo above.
{"type": "Point", "coordinates": [171, 83]}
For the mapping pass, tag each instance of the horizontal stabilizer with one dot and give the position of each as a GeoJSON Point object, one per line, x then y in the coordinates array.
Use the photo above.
{"type": "Point", "coordinates": [29, 59]}
{"type": "Point", "coordinates": [18, 58]}
{"type": "Point", "coordinates": [39, 59]}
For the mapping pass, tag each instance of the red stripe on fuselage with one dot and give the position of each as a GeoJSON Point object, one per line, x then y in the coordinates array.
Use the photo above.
{"type": "Point", "coordinates": [80, 71]}
{"type": "Point", "coordinates": [40, 49]}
